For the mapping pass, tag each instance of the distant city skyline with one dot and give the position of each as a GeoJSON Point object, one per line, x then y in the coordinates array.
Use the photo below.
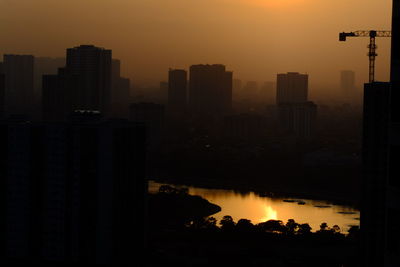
{"type": "Point", "coordinates": [255, 38]}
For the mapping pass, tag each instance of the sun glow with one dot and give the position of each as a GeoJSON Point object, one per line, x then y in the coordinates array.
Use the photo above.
{"type": "Point", "coordinates": [277, 3]}
{"type": "Point", "coordinates": [270, 214]}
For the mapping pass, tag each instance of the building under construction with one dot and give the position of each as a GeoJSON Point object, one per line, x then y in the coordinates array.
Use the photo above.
{"type": "Point", "coordinates": [380, 211]}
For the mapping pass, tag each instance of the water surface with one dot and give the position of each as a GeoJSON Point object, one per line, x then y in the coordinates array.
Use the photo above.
{"type": "Point", "coordinates": [258, 208]}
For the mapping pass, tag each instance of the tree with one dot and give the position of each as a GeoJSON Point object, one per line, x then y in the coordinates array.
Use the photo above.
{"type": "Point", "coordinates": [227, 223]}
{"type": "Point", "coordinates": [244, 225]}
{"type": "Point", "coordinates": [273, 226]}
{"type": "Point", "coordinates": [292, 226]}
{"type": "Point", "coordinates": [304, 229]}
{"type": "Point", "coordinates": [354, 232]}
{"type": "Point", "coordinates": [335, 229]}
{"type": "Point", "coordinates": [323, 226]}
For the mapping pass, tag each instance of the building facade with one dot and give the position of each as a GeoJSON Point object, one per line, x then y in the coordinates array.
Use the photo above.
{"type": "Point", "coordinates": [177, 92]}
{"type": "Point", "coordinates": [75, 191]}
{"type": "Point", "coordinates": [92, 66]}
{"type": "Point", "coordinates": [210, 90]}
{"type": "Point", "coordinates": [19, 83]}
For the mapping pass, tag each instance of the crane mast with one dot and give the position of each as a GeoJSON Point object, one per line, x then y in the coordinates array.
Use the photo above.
{"type": "Point", "coordinates": [372, 46]}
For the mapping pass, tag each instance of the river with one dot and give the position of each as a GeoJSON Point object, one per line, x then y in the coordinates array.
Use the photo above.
{"type": "Point", "coordinates": [252, 206]}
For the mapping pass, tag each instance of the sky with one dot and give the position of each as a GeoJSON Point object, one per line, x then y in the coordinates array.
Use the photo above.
{"type": "Point", "coordinates": [256, 39]}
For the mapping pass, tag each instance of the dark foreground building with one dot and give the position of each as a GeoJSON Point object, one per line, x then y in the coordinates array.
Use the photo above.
{"type": "Point", "coordinates": [84, 84]}
{"type": "Point", "coordinates": [75, 191]}
{"type": "Point", "coordinates": [380, 212]}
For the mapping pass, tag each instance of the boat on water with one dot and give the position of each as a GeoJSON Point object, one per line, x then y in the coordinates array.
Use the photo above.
{"type": "Point", "coordinates": [289, 200]}
{"type": "Point", "coordinates": [301, 203]}
{"type": "Point", "coordinates": [346, 212]}
{"type": "Point", "coordinates": [322, 206]}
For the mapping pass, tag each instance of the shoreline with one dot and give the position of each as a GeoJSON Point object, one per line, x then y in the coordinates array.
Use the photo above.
{"type": "Point", "coordinates": [267, 190]}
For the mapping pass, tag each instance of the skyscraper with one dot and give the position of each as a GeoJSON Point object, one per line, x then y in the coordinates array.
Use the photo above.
{"type": "Point", "coordinates": [177, 92]}
{"type": "Point", "coordinates": [380, 212]}
{"type": "Point", "coordinates": [75, 191]}
{"type": "Point", "coordinates": [19, 83]}
{"type": "Point", "coordinates": [210, 90]}
{"type": "Point", "coordinates": [375, 160]}
{"type": "Point", "coordinates": [292, 88]}
{"type": "Point", "coordinates": [92, 65]}
{"type": "Point", "coordinates": [295, 113]}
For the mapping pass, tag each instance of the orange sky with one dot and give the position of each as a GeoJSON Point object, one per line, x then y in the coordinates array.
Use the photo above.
{"type": "Point", "coordinates": [254, 38]}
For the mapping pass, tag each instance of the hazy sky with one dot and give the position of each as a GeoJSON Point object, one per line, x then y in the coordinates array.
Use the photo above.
{"type": "Point", "coordinates": [254, 38]}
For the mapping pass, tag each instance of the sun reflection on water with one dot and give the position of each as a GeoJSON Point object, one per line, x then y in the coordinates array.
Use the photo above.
{"type": "Point", "coordinates": [270, 214]}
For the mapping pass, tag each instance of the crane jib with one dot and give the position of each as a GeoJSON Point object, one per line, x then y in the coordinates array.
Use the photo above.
{"type": "Point", "coordinates": [372, 46]}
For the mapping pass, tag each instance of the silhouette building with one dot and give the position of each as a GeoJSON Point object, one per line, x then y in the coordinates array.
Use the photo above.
{"type": "Point", "coordinates": [296, 114]}
{"type": "Point", "coordinates": [375, 161]}
{"type": "Point", "coordinates": [245, 127]}
{"type": "Point", "coordinates": [45, 66]}
{"type": "Point", "coordinates": [347, 83]}
{"type": "Point", "coordinates": [210, 90]}
{"type": "Point", "coordinates": [268, 92]}
{"type": "Point", "coordinates": [19, 83]}
{"type": "Point", "coordinates": [59, 95]}
{"type": "Point", "coordinates": [152, 115]}
{"type": "Point", "coordinates": [177, 92]}
{"type": "Point", "coordinates": [292, 87]}
{"type": "Point", "coordinates": [380, 211]}
{"type": "Point", "coordinates": [2, 89]}
{"type": "Point", "coordinates": [92, 67]}
{"type": "Point", "coordinates": [299, 118]}
{"type": "Point", "coordinates": [250, 90]}
{"type": "Point", "coordinates": [83, 84]}
{"type": "Point", "coordinates": [120, 93]}
{"type": "Point", "coordinates": [75, 191]}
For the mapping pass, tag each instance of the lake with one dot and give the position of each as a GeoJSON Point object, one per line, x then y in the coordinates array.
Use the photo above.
{"type": "Point", "coordinates": [256, 208]}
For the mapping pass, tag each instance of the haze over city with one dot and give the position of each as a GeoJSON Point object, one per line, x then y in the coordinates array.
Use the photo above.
{"type": "Point", "coordinates": [256, 39]}
{"type": "Point", "coordinates": [200, 132]}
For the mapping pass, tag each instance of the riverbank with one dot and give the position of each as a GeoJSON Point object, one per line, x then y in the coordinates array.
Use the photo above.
{"type": "Point", "coordinates": [330, 194]}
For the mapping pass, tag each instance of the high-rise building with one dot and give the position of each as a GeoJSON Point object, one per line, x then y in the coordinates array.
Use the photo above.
{"type": "Point", "coordinates": [120, 93]}
{"type": "Point", "coordinates": [375, 161]}
{"type": "Point", "coordinates": [92, 65]}
{"type": "Point", "coordinates": [45, 66]}
{"type": "Point", "coordinates": [380, 211]}
{"type": "Point", "coordinates": [247, 127]}
{"type": "Point", "coordinates": [152, 115]}
{"type": "Point", "coordinates": [161, 96]}
{"type": "Point", "coordinates": [2, 89]}
{"type": "Point", "coordinates": [347, 83]}
{"type": "Point", "coordinates": [250, 90]}
{"type": "Point", "coordinates": [210, 90]}
{"type": "Point", "coordinates": [296, 114]}
{"type": "Point", "coordinates": [299, 118]}
{"type": "Point", "coordinates": [268, 92]}
{"type": "Point", "coordinates": [19, 83]}
{"type": "Point", "coordinates": [59, 95]}
{"type": "Point", "coordinates": [177, 92]}
{"type": "Point", "coordinates": [237, 85]}
{"type": "Point", "coordinates": [75, 191]}
{"type": "Point", "coordinates": [292, 88]}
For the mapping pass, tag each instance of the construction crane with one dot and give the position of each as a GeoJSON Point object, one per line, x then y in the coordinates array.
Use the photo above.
{"type": "Point", "coordinates": [372, 46]}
